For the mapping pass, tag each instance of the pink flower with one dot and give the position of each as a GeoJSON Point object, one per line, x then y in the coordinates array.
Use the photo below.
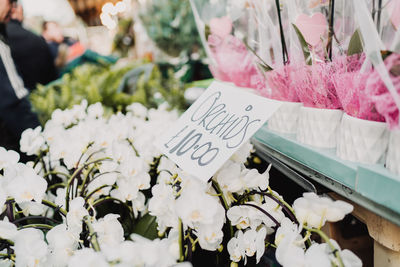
{"type": "Point", "coordinates": [379, 94]}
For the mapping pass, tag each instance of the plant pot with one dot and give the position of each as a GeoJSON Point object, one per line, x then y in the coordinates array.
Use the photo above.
{"type": "Point", "coordinates": [285, 119]}
{"type": "Point", "coordinates": [393, 155]}
{"type": "Point", "coordinates": [319, 127]}
{"type": "Point", "coordinates": [362, 140]}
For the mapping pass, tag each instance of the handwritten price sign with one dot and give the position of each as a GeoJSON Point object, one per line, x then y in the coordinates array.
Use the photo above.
{"type": "Point", "coordinates": [214, 127]}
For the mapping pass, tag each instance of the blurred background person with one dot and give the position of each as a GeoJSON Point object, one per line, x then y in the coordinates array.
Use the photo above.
{"type": "Point", "coordinates": [30, 52]}
{"type": "Point", "coordinates": [63, 49]}
{"type": "Point", "coordinates": [16, 114]}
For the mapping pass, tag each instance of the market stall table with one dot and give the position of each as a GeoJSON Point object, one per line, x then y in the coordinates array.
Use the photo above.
{"type": "Point", "coordinates": [372, 189]}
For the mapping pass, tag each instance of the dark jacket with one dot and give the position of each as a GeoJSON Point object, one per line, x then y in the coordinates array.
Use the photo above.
{"type": "Point", "coordinates": [15, 109]}
{"type": "Point", "coordinates": [31, 55]}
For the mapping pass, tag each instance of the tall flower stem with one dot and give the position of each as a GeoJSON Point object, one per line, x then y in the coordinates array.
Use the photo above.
{"type": "Point", "coordinates": [85, 179]}
{"type": "Point", "coordinates": [74, 175]}
{"type": "Point", "coordinates": [221, 196]}
{"type": "Point", "coordinates": [180, 230]}
{"type": "Point", "coordinates": [285, 206]}
{"type": "Point", "coordinates": [92, 234]}
{"type": "Point", "coordinates": [331, 28]}
{"type": "Point", "coordinates": [35, 218]}
{"type": "Point", "coordinates": [263, 211]}
{"type": "Point", "coordinates": [8, 241]}
{"type": "Point", "coordinates": [328, 241]}
{"type": "Point", "coordinates": [54, 206]}
{"type": "Point", "coordinates": [97, 190]}
{"type": "Point", "coordinates": [378, 22]}
{"type": "Point", "coordinates": [285, 56]}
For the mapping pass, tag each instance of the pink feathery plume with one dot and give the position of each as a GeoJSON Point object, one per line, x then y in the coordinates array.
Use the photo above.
{"type": "Point", "coordinates": [350, 87]}
{"type": "Point", "coordinates": [379, 94]}
{"type": "Point", "coordinates": [314, 86]}
{"type": "Point", "coordinates": [279, 86]}
{"type": "Point", "coordinates": [234, 63]}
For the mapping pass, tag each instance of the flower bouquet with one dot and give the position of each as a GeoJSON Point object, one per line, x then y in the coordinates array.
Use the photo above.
{"type": "Point", "coordinates": [310, 76]}
{"type": "Point", "coordinates": [388, 108]}
{"type": "Point", "coordinates": [223, 28]}
{"type": "Point", "coordinates": [101, 194]}
{"type": "Point", "coordinates": [380, 34]}
{"type": "Point", "coordinates": [272, 60]}
{"type": "Point", "coordinates": [363, 136]}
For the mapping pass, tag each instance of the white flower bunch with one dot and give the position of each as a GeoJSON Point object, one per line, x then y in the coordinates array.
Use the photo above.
{"type": "Point", "coordinates": [20, 183]}
{"type": "Point", "coordinates": [314, 211]}
{"type": "Point", "coordinates": [99, 183]}
{"type": "Point", "coordinates": [291, 250]}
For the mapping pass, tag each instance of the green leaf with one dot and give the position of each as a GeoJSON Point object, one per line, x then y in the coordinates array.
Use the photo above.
{"type": "Point", "coordinates": [356, 44]}
{"type": "Point", "coordinates": [395, 70]}
{"type": "Point", "coordinates": [146, 227]}
{"type": "Point", "coordinates": [385, 54]}
{"type": "Point", "coordinates": [304, 45]}
{"type": "Point", "coordinates": [262, 64]}
{"type": "Point", "coordinates": [207, 31]}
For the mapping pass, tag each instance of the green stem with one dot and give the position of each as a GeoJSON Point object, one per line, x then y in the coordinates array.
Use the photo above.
{"type": "Point", "coordinates": [281, 200]}
{"type": "Point", "coordinates": [331, 29]}
{"type": "Point", "coordinates": [283, 42]}
{"type": "Point", "coordinates": [8, 241]}
{"type": "Point", "coordinates": [54, 206]}
{"type": "Point", "coordinates": [86, 179]}
{"type": "Point", "coordinates": [96, 190]}
{"type": "Point", "coordinates": [133, 147]}
{"type": "Point", "coordinates": [44, 165]}
{"type": "Point", "coordinates": [180, 229]}
{"type": "Point", "coordinates": [55, 172]}
{"type": "Point", "coordinates": [328, 241]}
{"type": "Point", "coordinates": [92, 234]}
{"type": "Point", "coordinates": [263, 211]}
{"type": "Point", "coordinates": [224, 202]}
{"type": "Point", "coordinates": [54, 186]}
{"type": "Point", "coordinates": [74, 175]}
{"type": "Point", "coordinates": [107, 199]}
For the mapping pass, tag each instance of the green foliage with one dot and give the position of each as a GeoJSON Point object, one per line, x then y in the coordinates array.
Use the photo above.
{"type": "Point", "coordinates": [124, 39]}
{"type": "Point", "coordinates": [146, 226]}
{"type": "Point", "coordinates": [356, 44]}
{"type": "Point", "coordinates": [115, 87]}
{"type": "Point", "coordinates": [304, 46]}
{"type": "Point", "coordinates": [170, 24]}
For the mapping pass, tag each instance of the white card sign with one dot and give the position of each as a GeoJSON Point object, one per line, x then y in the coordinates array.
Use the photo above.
{"type": "Point", "coordinates": [214, 127]}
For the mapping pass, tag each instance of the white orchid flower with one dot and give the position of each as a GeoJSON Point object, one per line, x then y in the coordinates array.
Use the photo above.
{"type": "Point", "coordinates": [23, 184]}
{"type": "Point", "coordinates": [315, 211]}
{"type": "Point", "coordinates": [30, 248]}
{"type": "Point", "coordinates": [236, 247]}
{"type": "Point", "coordinates": [76, 214]}
{"type": "Point", "coordinates": [109, 230]}
{"type": "Point", "coordinates": [7, 230]}
{"type": "Point", "coordinates": [32, 141]}
{"type": "Point", "coordinates": [88, 258]}
{"type": "Point", "coordinates": [8, 158]}
{"type": "Point", "coordinates": [62, 244]}
{"type": "Point", "coordinates": [210, 237]}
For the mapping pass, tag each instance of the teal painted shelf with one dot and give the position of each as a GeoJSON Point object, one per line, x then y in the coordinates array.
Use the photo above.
{"type": "Point", "coordinates": [323, 161]}
{"type": "Point", "coordinates": [371, 186]}
{"type": "Point", "coordinates": [378, 184]}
